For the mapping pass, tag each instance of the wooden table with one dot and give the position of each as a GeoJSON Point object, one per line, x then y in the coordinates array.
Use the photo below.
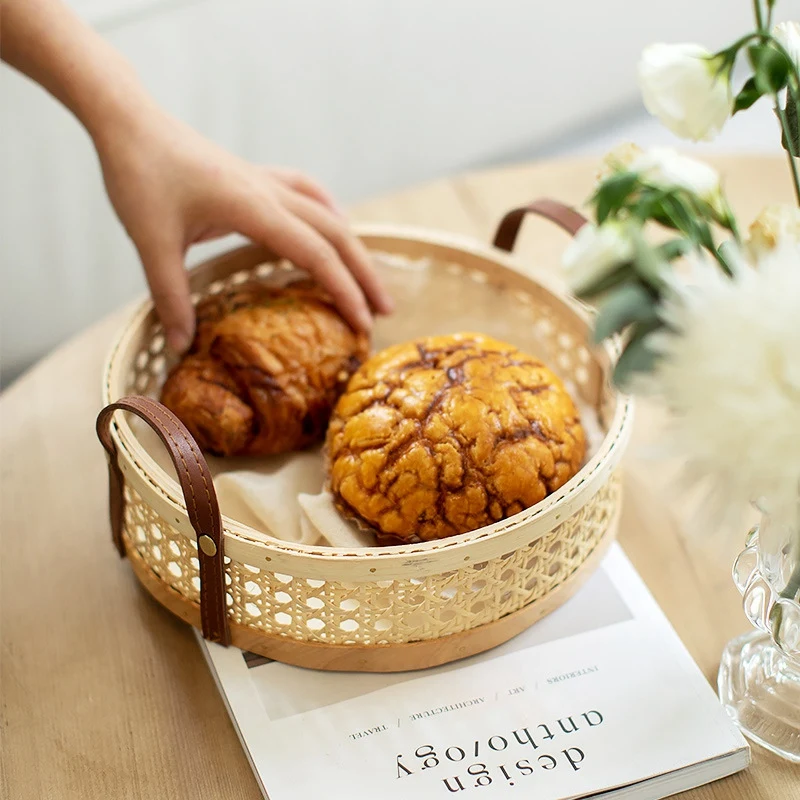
{"type": "Point", "coordinates": [105, 695]}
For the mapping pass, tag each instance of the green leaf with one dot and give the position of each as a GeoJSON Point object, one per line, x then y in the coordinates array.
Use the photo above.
{"type": "Point", "coordinates": [599, 286]}
{"type": "Point", "coordinates": [680, 210]}
{"type": "Point", "coordinates": [651, 206]}
{"type": "Point", "coordinates": [771, 68]}
{"type": "Point", "coordinates": [728, 257]}
{"type": "Point", "coordinates": [648, 264]}
{"type": "Point", "coordinates": [612, 194]}
{"type": "Point", "coordinates": [748, 95]}
{"type": "Point", "coordinates": [651, 203]}
{"type": "Point", "coordinates": [675, 248]}
{"type": "Point", "coordinates": [662, 219]}
{"type": "Point", "coordinates": [628, 304]}
{"type": "Point", "coordinates": [792, 144]}
{"type": "Point", "coordinates": [690, 216]}
{"type": "Point", "coordinates": [636, 357]}
{"type": "Point", "coordinates": [679, 214]}
{"type": "Point", "coordinates": [721, 213]}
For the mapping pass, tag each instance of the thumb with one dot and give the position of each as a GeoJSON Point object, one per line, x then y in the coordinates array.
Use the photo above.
{"type": "Point", "coordinates": [169, 288]}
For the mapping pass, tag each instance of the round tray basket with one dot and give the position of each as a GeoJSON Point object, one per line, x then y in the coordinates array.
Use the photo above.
{"type": "Point", "coordinates": [376, 609]}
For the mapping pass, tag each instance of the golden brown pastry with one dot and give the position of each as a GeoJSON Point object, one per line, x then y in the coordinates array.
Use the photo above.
{"type": "Point", "coordinates": [447, 434]}
{"type": "Point", "coordinates": [265, 369]}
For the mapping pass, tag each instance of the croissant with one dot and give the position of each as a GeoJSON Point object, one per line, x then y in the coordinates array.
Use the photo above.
{"type": "Point", "coordinates": [265, 369]}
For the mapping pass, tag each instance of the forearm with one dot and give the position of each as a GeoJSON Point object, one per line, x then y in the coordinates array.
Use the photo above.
{"type": "Point", "coordinates": [44, 40]}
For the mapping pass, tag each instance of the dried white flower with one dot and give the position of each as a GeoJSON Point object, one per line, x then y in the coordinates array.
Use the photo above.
{"type": "Point", "coordinates": [730, 374]}
{"type": "Point", "coordinates": [619, 159]}
{"type": "Point", "coordinates": [775, 224]}
{"type": "Point", "coordinates": [680, 86]}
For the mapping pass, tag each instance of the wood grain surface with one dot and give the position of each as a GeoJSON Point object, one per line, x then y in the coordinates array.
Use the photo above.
{"type": "Point", "coordinates": [106, 695]}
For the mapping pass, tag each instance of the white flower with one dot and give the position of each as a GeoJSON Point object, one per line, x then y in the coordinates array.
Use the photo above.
{"type": "Point", "coordinates": [776, 224]}
{"type": "Point", "coordinates": [788, 34]}
{"type": "Point", "coordinates": [730, 374]}
{"type": "Point", "coordinates": [664, 166]}
{"type": "Point", "coordinates": [680, 86]}
{"type": "Point", "coordinates": [595, 252]}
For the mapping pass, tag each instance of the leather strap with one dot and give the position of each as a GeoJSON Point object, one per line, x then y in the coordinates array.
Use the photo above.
{"type": "Point", "coordinates": [199, 496]}
{"type": "Point", "coordinates": [565, 217]}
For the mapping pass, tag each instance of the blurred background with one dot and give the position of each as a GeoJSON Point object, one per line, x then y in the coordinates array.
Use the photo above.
{"type": "Point", "coordinates": [367, 96]}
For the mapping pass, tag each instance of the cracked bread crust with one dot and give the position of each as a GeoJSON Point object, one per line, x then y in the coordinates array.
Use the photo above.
{"type": "Point", "coordinates": [265, 369]}
{"type": "Point", "coordinates": [446, 434]}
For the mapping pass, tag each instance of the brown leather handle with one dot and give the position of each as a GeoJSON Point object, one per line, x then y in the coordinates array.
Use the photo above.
{"type": "Point", "coordinates": [565, 217]}
{"type": "Point", "coordinates": [199, 495]}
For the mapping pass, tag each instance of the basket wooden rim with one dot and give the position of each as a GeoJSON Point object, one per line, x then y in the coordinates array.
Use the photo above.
{"type": "Point", "coordinates": [251, 546]}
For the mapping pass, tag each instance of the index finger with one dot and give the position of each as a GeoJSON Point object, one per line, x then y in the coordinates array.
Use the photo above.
{"type": "Point", "coordinates": [169, 287]}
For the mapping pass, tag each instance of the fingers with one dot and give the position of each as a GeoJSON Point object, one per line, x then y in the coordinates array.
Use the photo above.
{"type": "Point", "coordinates": [304, 185]}
{"type": "Point", "coordinates": [292, 238]}
{"type": "Point", "coordinates": [350, 249]}
{"type": "Point", "coordinates": [169, 287]}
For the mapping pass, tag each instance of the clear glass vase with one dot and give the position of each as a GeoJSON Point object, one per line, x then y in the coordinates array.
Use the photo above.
{"type": "Point", "coordinates": [759, 676]}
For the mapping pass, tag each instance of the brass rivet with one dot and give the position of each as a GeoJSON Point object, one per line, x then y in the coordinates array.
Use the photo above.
{"type": "Point", "coordinates": [207, 545]}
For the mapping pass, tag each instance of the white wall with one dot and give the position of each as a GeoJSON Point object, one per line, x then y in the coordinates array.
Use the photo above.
{"type": "Point", "coordinates": [367, 95]}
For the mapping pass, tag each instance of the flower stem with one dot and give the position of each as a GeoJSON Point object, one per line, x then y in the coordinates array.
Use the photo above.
{"type": "Point", "coordinates": [792, 590]}
{"type": "Point", "coordinates": [788, 134]}
{"type": "Point", "coordinates": [759, 17]}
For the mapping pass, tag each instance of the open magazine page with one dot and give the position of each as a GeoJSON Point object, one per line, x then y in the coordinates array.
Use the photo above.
{"type": "Point", "coordinates": [599, 694]}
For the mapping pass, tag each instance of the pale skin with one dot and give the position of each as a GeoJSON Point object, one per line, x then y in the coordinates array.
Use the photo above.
{"type": "Point", "coordinates": [172, 188]}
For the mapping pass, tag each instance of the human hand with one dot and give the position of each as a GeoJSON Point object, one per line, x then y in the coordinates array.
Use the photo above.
{"type": "Point", "coordinates": [172, 188]}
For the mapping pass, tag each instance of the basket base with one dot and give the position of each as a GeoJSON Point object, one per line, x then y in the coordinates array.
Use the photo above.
{"type": "Point", "coordinates": [402, 657]}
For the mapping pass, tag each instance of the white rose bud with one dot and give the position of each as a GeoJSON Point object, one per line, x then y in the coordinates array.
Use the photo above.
{"type": "Point", "coordinates": [788, 34]}
{"type": "Point", "coordinates": [680, 86]}
{"type": "Point", "coordinates": [595, 253]}
{"type": "Point", "coordinates": [665, 167]}
{"type": "Point", "coordinates": [776, 224]}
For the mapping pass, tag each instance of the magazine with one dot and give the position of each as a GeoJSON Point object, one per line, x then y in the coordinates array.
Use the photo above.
{"type": "Point", "coordinates": [598, 699]}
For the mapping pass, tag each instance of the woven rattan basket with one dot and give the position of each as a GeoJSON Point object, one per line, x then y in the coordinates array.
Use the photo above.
{"type": "Point", "coordinates": [368, 609]}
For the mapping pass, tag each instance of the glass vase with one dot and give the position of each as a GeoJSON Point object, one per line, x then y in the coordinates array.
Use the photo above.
{"type": "Point", "coordinates": [759, 675]}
